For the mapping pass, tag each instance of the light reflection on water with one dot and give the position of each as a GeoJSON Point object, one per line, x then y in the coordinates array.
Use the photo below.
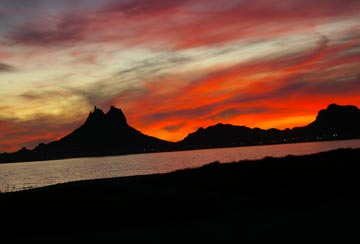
{"type": "Point", "coordinates": [19, 176]}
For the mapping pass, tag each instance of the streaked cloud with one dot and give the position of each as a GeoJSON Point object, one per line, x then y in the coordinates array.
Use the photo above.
{"type": "Point", "coordinates": [5, 67]}
{"type": "Point", "coordinates": [173, 66]}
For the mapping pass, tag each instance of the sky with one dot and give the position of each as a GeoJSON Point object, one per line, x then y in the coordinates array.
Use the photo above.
{"type": "Point", "coordinates": [173, 66]}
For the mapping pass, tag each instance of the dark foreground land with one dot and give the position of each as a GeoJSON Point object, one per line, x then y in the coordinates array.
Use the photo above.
{"type": "Point", "coordinates": [302, 199]}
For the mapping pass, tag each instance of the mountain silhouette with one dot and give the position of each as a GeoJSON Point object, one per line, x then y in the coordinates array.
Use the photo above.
{"type": "Point", "coordinates": [341, 121]}
{"type": "Point", "coordinates": [104, 134]}
{"type": "Point", "coordinates": [333, 123]}
{"type": "Point", "coordinates": [109, 134]}
{"type": "Point", "coordinates": [101, 134]}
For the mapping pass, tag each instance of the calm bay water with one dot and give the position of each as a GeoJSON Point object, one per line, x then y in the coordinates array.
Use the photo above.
{"type": "Point", "coordinates": [19, 176]}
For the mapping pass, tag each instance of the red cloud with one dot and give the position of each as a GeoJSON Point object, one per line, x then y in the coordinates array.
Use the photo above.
{"type": "Point", "coordinates": [299, 82]}
{"type": "Point", "coordinates": [178, 24]}
{"type": "Point", "coordinates": [247, 93]}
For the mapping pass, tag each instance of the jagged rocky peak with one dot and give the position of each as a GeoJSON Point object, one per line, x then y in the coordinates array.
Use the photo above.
{"type": "Point", "coordinates": [97, 112]}
{"type": "Point", "coordinates": [113, 117]}
{"type": "Point", "coordinates": [116, 115]}
{"type": "Point", "coordinates": [95, 116]}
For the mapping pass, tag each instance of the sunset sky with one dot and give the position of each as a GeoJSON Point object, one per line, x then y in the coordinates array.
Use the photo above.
{"type": "Point", "coordinates": [173, 65]}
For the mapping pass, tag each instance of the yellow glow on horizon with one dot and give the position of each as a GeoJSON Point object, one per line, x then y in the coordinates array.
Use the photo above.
{"type": "Point", "coordinates": [176, 67]}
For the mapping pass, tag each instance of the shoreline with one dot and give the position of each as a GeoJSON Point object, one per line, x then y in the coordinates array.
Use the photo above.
{"type": "Point", "coordinates": [176, 150]}
{"type": "Point", "coordinates": [317, 196]}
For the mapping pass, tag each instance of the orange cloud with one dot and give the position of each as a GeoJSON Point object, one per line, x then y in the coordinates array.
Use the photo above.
{"type": "Point", "coordinates": [288, 94]}
{"type": "Point", "coordinates": [256, 88]}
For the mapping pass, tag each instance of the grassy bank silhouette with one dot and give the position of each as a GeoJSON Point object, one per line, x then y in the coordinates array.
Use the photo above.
{"type": "Point", "coordinates": [295, 199]}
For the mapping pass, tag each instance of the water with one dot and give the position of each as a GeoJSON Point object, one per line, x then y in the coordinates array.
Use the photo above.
{"type": "Point", "coordinates": [19, 176]}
